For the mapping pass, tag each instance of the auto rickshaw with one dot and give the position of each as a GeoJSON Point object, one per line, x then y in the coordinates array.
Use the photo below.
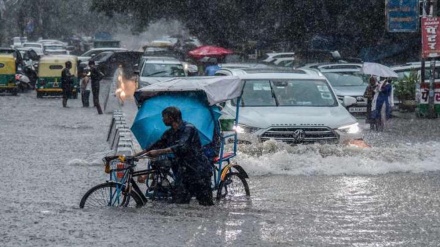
{"type": "Point", "coordinates": [49, 75]}
{"type": "Point", "coordinates": [8, 71]}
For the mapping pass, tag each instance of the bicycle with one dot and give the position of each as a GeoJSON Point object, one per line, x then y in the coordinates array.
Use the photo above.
{"type": "Point", "coordinates": [229, 178]}
{"type": "Point", "coordinates": [122, 190]}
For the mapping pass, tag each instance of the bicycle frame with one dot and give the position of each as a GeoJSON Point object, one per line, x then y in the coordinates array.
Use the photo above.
{"type": "Point", "coordinates": [219, 170]}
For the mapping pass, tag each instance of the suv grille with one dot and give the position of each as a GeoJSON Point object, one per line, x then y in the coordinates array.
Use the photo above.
{"type": "Point", "coordinates": [300, 134]}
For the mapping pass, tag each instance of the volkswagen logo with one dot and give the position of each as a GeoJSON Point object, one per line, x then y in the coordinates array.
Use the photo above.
{"type": "Point", "coordinates": [299, 135]}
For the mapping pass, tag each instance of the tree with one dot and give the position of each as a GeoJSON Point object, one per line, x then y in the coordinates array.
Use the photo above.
{"type": "Point", "coordinates": [226, 22]}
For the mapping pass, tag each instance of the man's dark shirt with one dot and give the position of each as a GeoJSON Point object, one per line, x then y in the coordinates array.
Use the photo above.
{"type": "Point", "coordinates": [186, 146]}
{"type": "Point", "coordinates": [66, 79]}
{"type": "Point", "coordinates": [95, 76]}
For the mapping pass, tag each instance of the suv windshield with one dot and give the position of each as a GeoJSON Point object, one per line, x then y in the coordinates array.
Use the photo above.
{"type": "Point", "coordinates": [163, 70]}
{"type": "Point", "coordinates": [287, 93]}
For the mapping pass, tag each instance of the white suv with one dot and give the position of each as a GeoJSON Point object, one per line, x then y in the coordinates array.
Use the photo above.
{"type": "Point", "coordinates": [298, 106]}
{"type": "Point", "coordinates": [158, 69]}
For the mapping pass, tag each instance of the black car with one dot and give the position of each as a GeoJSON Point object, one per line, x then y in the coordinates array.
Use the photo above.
{"type": "Point", "coordinates": [109, 61]}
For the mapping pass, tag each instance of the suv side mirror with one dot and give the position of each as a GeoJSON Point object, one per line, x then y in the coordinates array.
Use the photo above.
{"type": "Point", "coordinates": [348, 101]}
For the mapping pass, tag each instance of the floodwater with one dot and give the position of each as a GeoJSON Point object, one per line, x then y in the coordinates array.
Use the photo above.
{"type": "Point", "coordinates": [315, 195]}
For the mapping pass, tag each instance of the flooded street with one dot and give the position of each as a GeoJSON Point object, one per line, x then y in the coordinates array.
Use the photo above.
{"type": "Point", "coordinates": [315, 195]}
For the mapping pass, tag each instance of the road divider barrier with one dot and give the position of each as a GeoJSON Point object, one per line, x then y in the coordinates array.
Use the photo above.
{"type": "Point", "coordinates": [119, 135]}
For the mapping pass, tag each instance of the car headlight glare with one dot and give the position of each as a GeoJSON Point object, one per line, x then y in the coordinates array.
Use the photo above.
{"type": "Point", "coordinates": [241, 128]}
{"type": "Point", "coordinates": [350, 129]}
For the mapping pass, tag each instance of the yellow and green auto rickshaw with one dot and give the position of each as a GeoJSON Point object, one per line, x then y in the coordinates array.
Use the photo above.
{"type": "Point", "coordinates": [7, 74]}
{"type": "Point", "coordinates": [49, 75]}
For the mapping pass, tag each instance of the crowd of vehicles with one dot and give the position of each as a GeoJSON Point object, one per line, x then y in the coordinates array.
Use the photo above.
{"type": "Point", "coordinates": [332, 91]}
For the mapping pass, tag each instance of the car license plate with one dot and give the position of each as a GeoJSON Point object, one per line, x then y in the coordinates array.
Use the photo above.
{"type": "Point", "coordinates": [357, 109]}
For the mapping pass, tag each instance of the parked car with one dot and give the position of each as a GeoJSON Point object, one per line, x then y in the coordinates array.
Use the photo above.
{"type": "Point", "coordinates": [55, 49]}
{"type": "Point", "coordinates": [304, 57]}
{"type": "Point", "coordinates": [18, 41]}
{"type": "Point", "coordinates": [346, 80]}
{"type": "Point", "coordinates": [36, 46]}
{"type": "Point", "coordinates": [353, 85]}
{"type": "Point", "coordinates": [284, 62]}
{"type": "Point", "coordinates": [296, 106]}
{"type": "Point", "coordinates": [85, 57]}
{"type": "Point", "coordinates": [270, 57]}
{"type": "Point", "coordinates": [109, 61]}
{"type": "Point", "coordinates": [53, 41]}
{"type": "Point", "coordinates": [158, 69]}
{"type": "Point", "coordinates": [342, 67]}
{"type": "Point", "coordinates": [243, 65]}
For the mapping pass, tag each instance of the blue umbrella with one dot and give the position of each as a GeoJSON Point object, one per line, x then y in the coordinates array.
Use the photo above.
{"type": "Point", "coordinates": [148, 126]}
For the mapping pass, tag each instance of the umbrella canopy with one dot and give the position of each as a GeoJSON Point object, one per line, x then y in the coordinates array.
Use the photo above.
{"type": "Point", "coordinates": [148, 126]}
{"type": "Point", "coordinates": [209, 51]}
{"type": "Point", "coordinates": [378, 69]}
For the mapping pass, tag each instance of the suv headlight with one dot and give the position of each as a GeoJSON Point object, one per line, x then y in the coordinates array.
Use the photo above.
{"type": "Point", "coordinates": [350, 129]}
{"type": "Point", "coordinates": [241, 128]}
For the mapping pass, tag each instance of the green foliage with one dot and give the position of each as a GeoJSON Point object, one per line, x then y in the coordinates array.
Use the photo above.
{"type": "Point", "coordinates": [405, 88]}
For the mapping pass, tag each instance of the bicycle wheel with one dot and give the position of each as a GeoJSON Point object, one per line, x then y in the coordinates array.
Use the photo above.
{"type": "Point", "coordinates": [107, 194]}
{"type": "Point", "coordinates": [234, 187]}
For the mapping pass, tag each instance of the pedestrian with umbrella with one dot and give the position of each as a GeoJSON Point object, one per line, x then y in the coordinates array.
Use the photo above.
{"type": "Point", "coordinates": [383, 94]}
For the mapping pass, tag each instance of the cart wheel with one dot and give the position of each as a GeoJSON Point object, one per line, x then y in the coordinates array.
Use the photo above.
{"type": "Point", "coordinates": [233, 188]}
{"type": "Point", "coordinates": [39, 95]}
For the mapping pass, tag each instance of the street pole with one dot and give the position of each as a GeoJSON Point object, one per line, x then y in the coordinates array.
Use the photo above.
{"type": "Point", "coordinates": [431, 105]}
{"type": "Point", "coordinates": [422, 69]}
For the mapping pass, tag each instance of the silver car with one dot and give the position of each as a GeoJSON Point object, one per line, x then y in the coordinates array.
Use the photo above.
{"type": "Point", "coordinates": [297, 106]}
{"type": "Point", "coordinates": [158, 69]}
{"type": "Point", "coordinates": [353, 85]}
{"type": "Point", "coordinates": [346, 80]}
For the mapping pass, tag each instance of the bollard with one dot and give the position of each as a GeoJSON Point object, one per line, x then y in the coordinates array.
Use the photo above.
{"type": "Point", "coordinates": [116, 117]}
{"type": "Point", "coordinates": [124, 151]}
{"type": "Point", "coordinates": [114, 131]}
{"type": "Point", "coordinates": [119, 139]}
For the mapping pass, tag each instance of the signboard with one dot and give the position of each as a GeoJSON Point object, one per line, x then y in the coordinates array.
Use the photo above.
{"type": "Point", "coordinates": [402, 15]}
{"type": "Point", "coordinates": [423, 99]}
{"type": "Point", "coordinates": [430, 37]}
